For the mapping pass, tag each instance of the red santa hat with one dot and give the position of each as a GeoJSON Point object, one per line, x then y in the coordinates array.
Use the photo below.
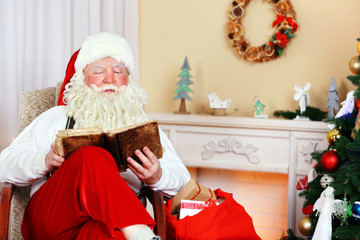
{"type": "Point", "coordinates": [93, 49]}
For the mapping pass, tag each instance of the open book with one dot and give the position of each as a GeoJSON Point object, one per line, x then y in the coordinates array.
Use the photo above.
{"type": "Point", "coordinates": [121, 143]}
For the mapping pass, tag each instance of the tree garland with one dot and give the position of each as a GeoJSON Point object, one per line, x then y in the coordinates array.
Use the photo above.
{"type": "Point", "coordinates": [285, 27]}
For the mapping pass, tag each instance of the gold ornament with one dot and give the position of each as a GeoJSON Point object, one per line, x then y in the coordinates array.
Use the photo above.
{"type": "Point", "coordinates": [333, 135]}
{"type": "Point", "coordinates": [354, 65]}
{"type": "Point", "coordinates": [358, 48]}
{"type": "Point", "coordinates": [305, 226]}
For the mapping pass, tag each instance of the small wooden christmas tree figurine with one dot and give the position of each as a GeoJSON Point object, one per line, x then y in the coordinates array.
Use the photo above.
{"type": "Point", "coordinates": [332, 98]}
{"type": "Point", "coordinates": [183, 88]}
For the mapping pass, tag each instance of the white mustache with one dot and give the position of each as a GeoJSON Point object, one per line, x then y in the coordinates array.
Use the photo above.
{"type": "Point", "coordinates": [106, 87]}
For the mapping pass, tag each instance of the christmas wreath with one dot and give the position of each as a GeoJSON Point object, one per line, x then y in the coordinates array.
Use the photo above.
{"type": "Point", "coordinates": [285, 27]}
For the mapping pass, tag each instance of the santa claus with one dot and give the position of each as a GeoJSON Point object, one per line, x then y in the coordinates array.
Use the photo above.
{"type": "Point", "coordinates": [86, 197]}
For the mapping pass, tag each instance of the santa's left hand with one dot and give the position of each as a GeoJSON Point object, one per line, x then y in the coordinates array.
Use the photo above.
{"type": "Point", "coordinates": [150, 171]}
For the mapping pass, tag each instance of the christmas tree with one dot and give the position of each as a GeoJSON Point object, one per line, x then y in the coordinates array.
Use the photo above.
{"type": "Point", "coordinates": [183, 88]}
{"type": "Point", "coordinates": [332, 187]}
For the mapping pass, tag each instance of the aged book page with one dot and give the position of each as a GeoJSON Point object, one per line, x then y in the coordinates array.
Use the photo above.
{"type": "Point", "coordinates": [121, 143]}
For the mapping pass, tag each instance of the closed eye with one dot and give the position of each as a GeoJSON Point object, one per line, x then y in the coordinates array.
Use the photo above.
{"type": "Point", "coordinates": [119, 70]}
{"type": "Point", "coordinates": [98, 69]}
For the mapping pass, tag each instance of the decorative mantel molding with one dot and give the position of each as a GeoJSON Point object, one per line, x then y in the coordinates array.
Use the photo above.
{"type": "Point", "coordinates": [230, 145]}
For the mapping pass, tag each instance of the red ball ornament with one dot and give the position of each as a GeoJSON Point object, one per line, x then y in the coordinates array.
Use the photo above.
{"type": "Point", "coordinates": [330, 161]}
{"type": "Point", "coordinates": [308, 210]}
{"type": "Point", "coordinates": [357, 104]}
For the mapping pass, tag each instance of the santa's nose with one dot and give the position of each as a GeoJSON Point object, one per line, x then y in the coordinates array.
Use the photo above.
{"type": "Point", "coordinates": [109, 78]}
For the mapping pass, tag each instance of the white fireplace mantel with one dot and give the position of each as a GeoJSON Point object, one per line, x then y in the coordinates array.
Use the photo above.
{"type": "Point", "coordinates": [249, 144]}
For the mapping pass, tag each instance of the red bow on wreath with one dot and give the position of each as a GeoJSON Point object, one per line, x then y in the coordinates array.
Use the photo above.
{"type": "Point", "coordinates": [281, 18]}
{"type": "Point", "coordinates": [292, 23]}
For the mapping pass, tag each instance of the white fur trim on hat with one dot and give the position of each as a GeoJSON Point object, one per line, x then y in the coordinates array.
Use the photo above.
{"type": "Point", "coordinates": [103, 45]}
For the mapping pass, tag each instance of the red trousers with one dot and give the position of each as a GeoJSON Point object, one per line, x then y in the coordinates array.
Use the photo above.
{"type": "Point", "coordinates": [86, 198]}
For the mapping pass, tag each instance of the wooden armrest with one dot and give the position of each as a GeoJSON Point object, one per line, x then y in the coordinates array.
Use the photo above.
{"type": "Point", "coordinates": [156, 198]}
{"type": "Point", "coordinates": [159, 214]}
{"type": "Point", "coordinates": [7, 190]}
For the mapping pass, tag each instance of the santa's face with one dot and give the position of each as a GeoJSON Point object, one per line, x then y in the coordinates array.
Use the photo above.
{"type": "Point", "coordinates": [105, 99]}
{"type": "Point", "coordinates": [105, 73]}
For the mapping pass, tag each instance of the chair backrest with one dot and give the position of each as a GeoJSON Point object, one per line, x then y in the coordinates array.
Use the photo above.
{"type": "Point", "coordinates": [31, 105]}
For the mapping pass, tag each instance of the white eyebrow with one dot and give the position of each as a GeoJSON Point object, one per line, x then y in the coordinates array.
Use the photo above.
{"type": "Point", "coordinates": [98, 66]}
{"type": "Point", "coordinates": [119, 65]}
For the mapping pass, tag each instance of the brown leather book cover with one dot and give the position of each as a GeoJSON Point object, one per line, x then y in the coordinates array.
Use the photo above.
{"type": "Point", "coordinates": [121, 143]}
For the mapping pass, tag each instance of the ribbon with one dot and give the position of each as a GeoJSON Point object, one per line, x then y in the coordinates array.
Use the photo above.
{"type": "Point", "coordinates": [199, 191]}
{"type": "Point", "coordinates": [211, 195]}
{"type": "Point", "coordinates": [281, 18]}
{"type": "Point", "coordinates": [292, 23]}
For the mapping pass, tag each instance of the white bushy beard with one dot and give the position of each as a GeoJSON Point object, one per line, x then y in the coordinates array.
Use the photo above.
{"type": "Point", "coordinates": [90, 108]}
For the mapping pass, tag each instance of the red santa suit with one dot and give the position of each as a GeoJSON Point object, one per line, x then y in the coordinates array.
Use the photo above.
{"type": "Point", "coordinates": [86, 198]}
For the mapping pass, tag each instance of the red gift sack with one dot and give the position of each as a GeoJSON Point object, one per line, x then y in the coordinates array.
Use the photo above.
{"type": "Point", "coordinates": [229, 220]}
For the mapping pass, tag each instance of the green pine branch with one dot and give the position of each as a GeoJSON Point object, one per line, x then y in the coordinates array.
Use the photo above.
{"type": "Point", "coordinates": [355, 79]}
{"type": "Point", "coordinates": [357, 93]}
{"type": "Point", "coordinates": [312, 113]}
{"type": "Point", "coordinates": [313, 193]}
{"type": "Point", "coordinates": [345, 124]}
{"type": "Point", "coordinates": [347, 232]}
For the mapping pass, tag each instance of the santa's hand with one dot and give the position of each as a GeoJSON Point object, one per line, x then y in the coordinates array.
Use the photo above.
{"type": "Point", "coordinates": [52, 160]}
{"type": "Point", "coordinates": [150, 171]}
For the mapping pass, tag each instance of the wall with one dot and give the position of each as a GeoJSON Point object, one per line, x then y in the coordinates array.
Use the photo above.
{"type": "Point", "coordinates": [171, 30]}
{"type": "Point", "coordinates": [321, 49]}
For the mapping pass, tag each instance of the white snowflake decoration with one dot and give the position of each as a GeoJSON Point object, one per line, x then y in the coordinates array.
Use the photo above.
{"type": "Point", "coordinates": [342, 210]}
